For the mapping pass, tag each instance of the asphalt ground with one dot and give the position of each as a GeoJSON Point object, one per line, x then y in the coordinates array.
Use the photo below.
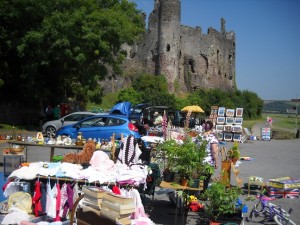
{"type": "Point", "coordinates": [270, 159]}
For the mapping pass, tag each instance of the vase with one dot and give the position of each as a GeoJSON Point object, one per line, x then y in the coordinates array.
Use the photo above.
{"type": "Point", "coordinates": [184, 182]}
{"type": "Point", "coordinates": [197, 183]}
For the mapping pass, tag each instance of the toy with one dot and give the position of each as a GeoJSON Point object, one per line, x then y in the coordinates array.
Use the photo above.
{"type": "Point", "coordinates": [83, 157]}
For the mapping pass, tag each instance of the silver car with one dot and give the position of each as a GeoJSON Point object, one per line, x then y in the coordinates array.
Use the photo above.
{"type": "Point", "coordinates": [49, 128]}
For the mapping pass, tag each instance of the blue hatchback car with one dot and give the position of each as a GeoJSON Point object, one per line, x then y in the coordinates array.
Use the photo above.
{"type": "Point", "coordinates": [101, 127]}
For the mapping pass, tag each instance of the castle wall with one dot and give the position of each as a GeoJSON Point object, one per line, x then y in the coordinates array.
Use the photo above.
{"type": "Point", "coordinates": [184, 55]}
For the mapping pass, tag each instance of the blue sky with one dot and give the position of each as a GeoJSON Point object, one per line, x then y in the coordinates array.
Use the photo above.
{"type": "Point", "coordinates": [267, 40]}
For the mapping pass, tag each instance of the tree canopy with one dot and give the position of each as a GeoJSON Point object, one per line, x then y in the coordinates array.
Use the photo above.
{"type": "Point", "coordinates": [61, 48]}
{"type": "Point", "coordinates": [153, 89]}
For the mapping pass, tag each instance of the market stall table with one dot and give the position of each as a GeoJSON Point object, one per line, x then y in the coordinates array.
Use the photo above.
{"type": "Point", "coordinates": [178, 187]}
{"type": "Point", "coordinates": [52, 147]}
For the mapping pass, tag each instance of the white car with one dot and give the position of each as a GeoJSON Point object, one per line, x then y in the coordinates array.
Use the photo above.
{"type": "Point", "coordinates": [49, 128]}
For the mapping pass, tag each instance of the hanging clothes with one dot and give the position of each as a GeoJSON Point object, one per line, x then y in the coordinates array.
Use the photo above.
{"type": "Point", "coordinates": [64, 199]}
{"type": "Point", "coordinates": [43, 197]}
{"type": "Point", "coordinates": [36, 199]}
{"type": "Point", "coordinates": [52, 204]}
{"type": "Point", "coordinates": [48, 196]}
{"type": "Point", "coordinates": [58, 202]}
{"type": "Point", "coordinates": [69, 204]}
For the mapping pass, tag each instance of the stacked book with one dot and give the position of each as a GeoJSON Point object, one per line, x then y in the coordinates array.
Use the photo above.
{"type": "Point", "coordinates": [92, 200]}
{"type": "Point", "coordinates": [118, 208]}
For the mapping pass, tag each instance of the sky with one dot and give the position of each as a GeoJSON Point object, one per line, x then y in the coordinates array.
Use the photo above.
{"type": "Point", "coordinates": [267, 40]}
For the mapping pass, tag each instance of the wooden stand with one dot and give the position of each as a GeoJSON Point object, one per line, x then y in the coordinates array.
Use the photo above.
{"type": "Point", "coordinates": [226, 172]}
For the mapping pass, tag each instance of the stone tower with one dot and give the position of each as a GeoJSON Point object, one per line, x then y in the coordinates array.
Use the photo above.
{"type": "Point", "coordinates": [168, 39]}
{"type": "Point", "coordinates": [188, 58]}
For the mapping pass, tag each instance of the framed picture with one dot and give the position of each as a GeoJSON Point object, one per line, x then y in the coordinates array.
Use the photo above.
{"type": "Point", "coordinates": [220, 120]}
{"type": "Point", "coordinates": [220, 128]}
{"type": "Point", "coordinates": [220, 136]}
{"type": "Point", "coordinates": [221, 111]}
{"type": "Point", "coordinates": [237, 137]}
{"type": "Point", "coordinates": [230, 112]}
{"type": "Point", "coordinates": [238, 120]}
{"type": "Point", "coordinates": [227, 136]}
{"type": "Point", "coordinates": [227, 128]}
{"type": "Point", "coordinates": [239, 112]}
{"type": "Point", "coordinates": [237, 128]}
{"type": "Point", "coordinates": [229, 120]}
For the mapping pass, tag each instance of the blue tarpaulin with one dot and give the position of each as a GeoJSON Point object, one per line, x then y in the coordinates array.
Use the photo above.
{"type": "Point", "coordinates": [122, 108]}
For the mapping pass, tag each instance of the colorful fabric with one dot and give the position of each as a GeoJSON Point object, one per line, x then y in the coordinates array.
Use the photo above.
{"type": "Point", "coordinates": [36, 199]}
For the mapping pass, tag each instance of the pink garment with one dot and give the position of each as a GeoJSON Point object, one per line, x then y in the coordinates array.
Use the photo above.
{"type": "Point", "coordinates": [64, 199]}
{"type": "Point", "coordinates": [139, 207]}
{"type": "Point", "coordinates": [101, 162]}
{"type": "Point", "coordinates": [58, 202]}
{"type": "Point", "coordinates": [69, 204]}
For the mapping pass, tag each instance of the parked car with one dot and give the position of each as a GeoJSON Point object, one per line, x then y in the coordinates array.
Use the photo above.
{"type": "Point", "coordinates": [145, 114]}
{"type": "Point", "coordinates": [49, 128]}
{"type": "Point", "coordinates": [101, 127]}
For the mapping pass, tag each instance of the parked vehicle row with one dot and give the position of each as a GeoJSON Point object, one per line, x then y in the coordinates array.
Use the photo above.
{"type": "Point", "coordinates": [122, 119]}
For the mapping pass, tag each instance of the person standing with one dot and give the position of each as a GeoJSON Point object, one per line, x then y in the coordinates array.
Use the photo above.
{"type": "Point", "coordinates": [49, 113]}
{"type": "Point", "coordinates": [158, 119]}
{"type": "Point", "coordinates": [56, 112]}
{"type": "Point", "coordinates": [211, 150]}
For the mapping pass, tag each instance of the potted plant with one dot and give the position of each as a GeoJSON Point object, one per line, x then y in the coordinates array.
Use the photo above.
{"type": "Point", "coordinates": [185, 158]}
{"type": "Point", "coordinates": [222, 202]}
{"type": "Point", "coordinates": [233, 154]}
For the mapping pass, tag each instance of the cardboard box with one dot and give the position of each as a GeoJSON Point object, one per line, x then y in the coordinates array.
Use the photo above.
{"type": "Point", "coordinates": [284, 183]}
{"type": "Point", "coordinates": [283, 193]}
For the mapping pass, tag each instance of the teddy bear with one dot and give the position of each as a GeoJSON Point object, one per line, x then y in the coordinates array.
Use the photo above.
{"type": "Point", "coordinates": [83, 157]}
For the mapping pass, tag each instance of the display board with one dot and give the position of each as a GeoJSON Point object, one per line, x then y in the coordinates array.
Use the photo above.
{"type": "Point", "coordinates": [228, 123]}
{"type": "Point", "coordinates": [266, 133]}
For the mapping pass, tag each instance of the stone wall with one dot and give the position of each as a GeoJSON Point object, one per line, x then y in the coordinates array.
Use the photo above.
{"type": "Point", "coordinates": [181, 53]}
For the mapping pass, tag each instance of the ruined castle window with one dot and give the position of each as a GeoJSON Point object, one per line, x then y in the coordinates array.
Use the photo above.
{"type": "Point", "coordinates": [218, 56]}
{"type": "Point", "coordinates": [219, 72]}
{"type": "Point", "coordinates": [230, 77]}
{"type": "Point", "coordinates": [230, 58]}
{"type": "Point", "coordinates": [168, 47]}
{"type": "Point", "coordinates": [191, 63]}
{"type": "Point", "coordinates": [179, 54]}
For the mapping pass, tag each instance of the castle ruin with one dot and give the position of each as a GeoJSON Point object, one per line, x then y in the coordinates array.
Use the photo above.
{"type": "Point", "coordinates": [189, 59]}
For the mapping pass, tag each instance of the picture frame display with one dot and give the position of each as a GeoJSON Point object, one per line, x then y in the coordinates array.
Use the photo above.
{"type": "Point", "coordinates": [237, 137]}
{"type": "Point", "coordinates": [221, 111]}
{"type": "Point", "coordinates": [239, 112]}
{"type": "Point", "coordinates": [220, 136]}
{"type": "Point", "coordinates": [227, 128]}
{"type": "Point", "coordinates": [229, 120]}
{"type": "Point", "coordinates": [237, 128]}
{"type": "Point", "coordinates": [228, 136]}
{"type": "Point", "coordinates": [219, 128]}
{"type": "Point", "coordinates": [238, 120]}
{"type": "Point", "coordinates": [230, 112]}
{"type": "Point", "coordinates": [220, 120]}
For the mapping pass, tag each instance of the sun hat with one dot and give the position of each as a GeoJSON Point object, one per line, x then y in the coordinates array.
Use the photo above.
{"type": "Point", "coordinates": [156, 114]}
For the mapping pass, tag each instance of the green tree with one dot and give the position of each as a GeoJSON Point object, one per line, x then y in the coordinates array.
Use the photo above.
{"type": "Point", "coordinates": [129, 95]}
{"type": "Point", "coordinates": [154, 90]}
{"type": "Point", "coordinates": [61, 48]}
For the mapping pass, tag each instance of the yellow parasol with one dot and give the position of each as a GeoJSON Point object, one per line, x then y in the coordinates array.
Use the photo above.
{"type": "Point", "coordinates": [192, 108]}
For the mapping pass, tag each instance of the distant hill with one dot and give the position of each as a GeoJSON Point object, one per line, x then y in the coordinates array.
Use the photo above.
{"type": "Point", "coordinates": [278, 106]}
